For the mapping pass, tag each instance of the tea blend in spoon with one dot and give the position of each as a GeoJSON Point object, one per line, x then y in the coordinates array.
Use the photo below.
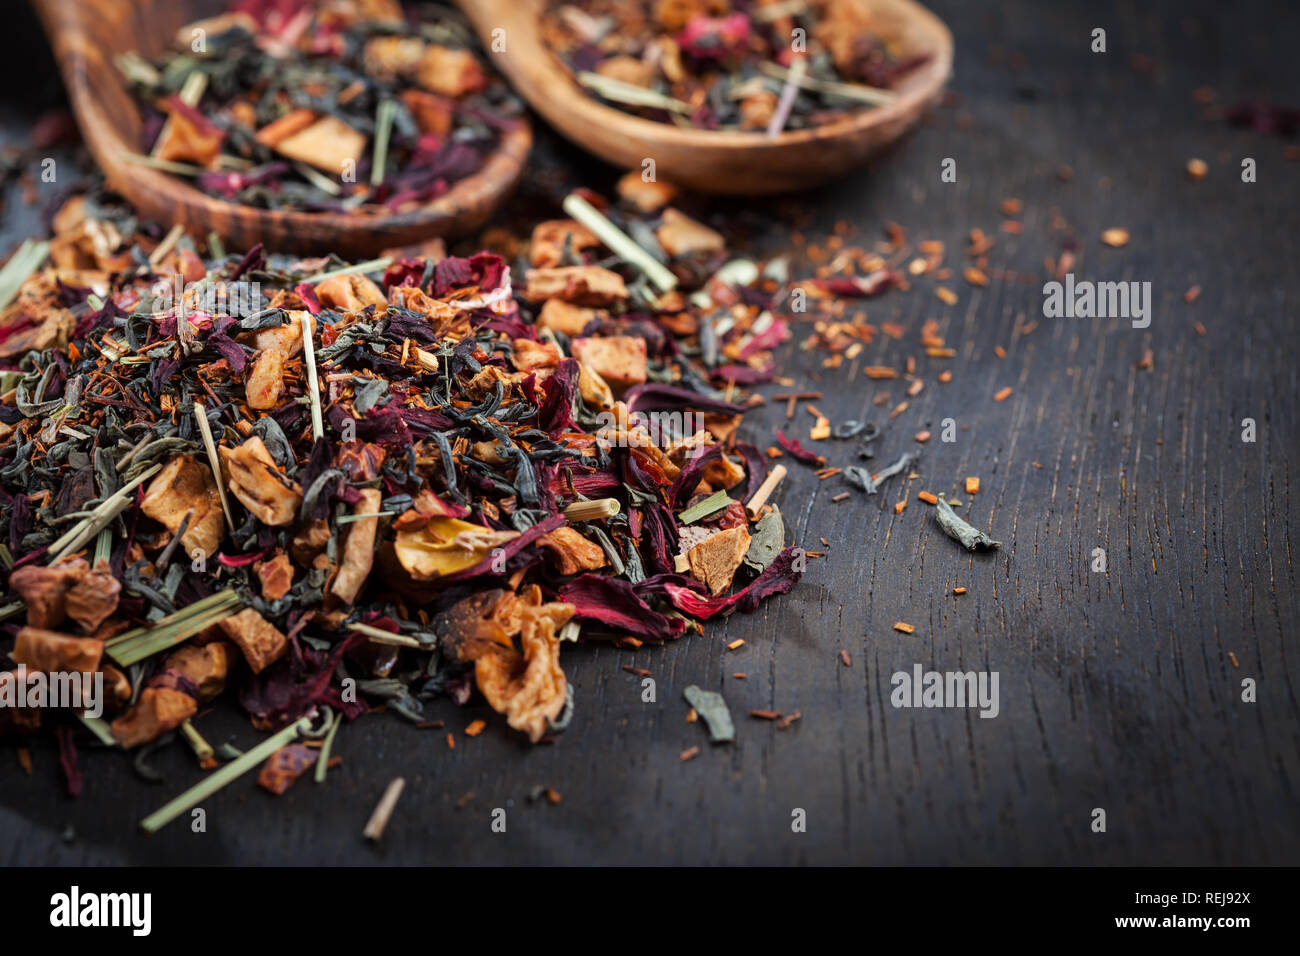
{"type": "Point", "coordinates": [321, 106]}
{"type": "Point", "coordinates": [756, 65]}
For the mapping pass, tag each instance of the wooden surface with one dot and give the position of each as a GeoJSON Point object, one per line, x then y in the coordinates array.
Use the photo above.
{"type": "Point", "coordinates": [730, 163]}
{"type": "Point", "coordinates": [1116, 689]}
{"type": "Point", "coordinates": [87, 34]}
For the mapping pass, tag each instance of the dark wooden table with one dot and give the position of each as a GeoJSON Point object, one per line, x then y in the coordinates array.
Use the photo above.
{"type": "Point", "coordinates": [1117, 690]}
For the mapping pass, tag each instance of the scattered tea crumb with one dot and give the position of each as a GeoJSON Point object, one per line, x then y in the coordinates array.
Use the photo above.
{"type": "Point", "coordinates": [689, 753]}
{"type": "Point", "coordinates": [1233, 657]}
{"type": "Point", "coordinates": [766, 714]}
{"type": "Point", "coordinates": [972, 485]}
{"type": "Point", "coordinates": [475, 728]}
{"type": "Point", "coordinates": [845, 659]}
{"type": "Point", "coordinates": [1003, 394]}
{"type": "Point", "coordinates": [904, 627]}
{"type": "Point", "coordinates": [1115, 237]}
{"type": "Point", "coordinates": [738, 642]}
{"type": "Point", "coordinates": [929, 497]}
{"type": "Point", "coordinates": [384, 809]}
{"type": "Point", "coordinates": [1197, 169]}
{"type": "Point", "coordinates": [959, 591]}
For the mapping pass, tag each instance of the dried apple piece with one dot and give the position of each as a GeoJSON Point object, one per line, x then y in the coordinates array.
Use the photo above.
{"type": "Point", "coordinates": [184, 487]}
{"type": "Point", "coordinates": [259, 484]}
{"type": "Point", "coordinates": [158, 710]}
{"type": "Point", "coordinates": [714, 560]}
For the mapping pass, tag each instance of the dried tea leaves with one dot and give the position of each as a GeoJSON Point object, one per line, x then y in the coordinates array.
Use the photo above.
{"type": "Point", "coordinates": [713, 709]}
{"type": "Point", "coordinates": [971, 538]}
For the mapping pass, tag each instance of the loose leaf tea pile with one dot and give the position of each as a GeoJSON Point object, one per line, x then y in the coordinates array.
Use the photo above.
{"type": "Point", "coordinates": [308, 484]}
{"type": "Point", "coordinates": [321, 106]}
{"type": "Point", "coordinates": [730, 64]}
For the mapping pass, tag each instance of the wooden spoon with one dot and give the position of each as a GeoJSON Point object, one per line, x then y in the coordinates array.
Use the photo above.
{"type": "Point", "coordinates": [87, 34]}
{"type": "Point", "coordinates": [726, 161]}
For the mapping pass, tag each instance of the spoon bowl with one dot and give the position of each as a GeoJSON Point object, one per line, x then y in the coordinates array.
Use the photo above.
{"type": "Point", "coordinates": [725, 161]}
{"type": "Point", "coordinates": [88, 34]}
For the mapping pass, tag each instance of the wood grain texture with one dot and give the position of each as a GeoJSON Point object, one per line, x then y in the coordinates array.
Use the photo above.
{"type": "Point", "coordinates": [732, 163]}
{"type": "Point", "coordinates": [87, 34]}
{"type": "Point", "coordinates": [1116, 689]}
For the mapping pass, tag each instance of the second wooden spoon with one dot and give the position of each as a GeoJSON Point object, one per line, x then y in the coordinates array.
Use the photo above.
{"type": "Point", "coordinates": [725, 161]}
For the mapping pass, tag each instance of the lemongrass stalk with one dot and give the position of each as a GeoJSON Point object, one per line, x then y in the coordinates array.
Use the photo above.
{"type": "Point", "coordinates": [619, 241]}
{"type": "Point", "coordinates": [370, 265]}
{"type": "Point", "coordinates": [313, 386]}
{"type": "Point", "coordinates": [219, 778]}
{"type": "Point", "coordinates": [323, 758]}
{"type": "Point", "coordinates": [214, 462]}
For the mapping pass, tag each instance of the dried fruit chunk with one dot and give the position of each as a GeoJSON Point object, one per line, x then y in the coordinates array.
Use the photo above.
{"type": "Point", "coordinates": [433, 114]}
{"type": "Point", "coordinates": [350, 293]}
{"type": "Point", "coordinates": [387, 58]}
{"type": "Point", "coordinates": [258, 483]}
{"type": "Point", "coordinates": [645, 196]}
{"type": "Point", "coordinates": [580, 285]}
{"type": "Point", "coordinates": [206, 666]}
{"type": "Point", "coordinates": [93, 599]}
{"type": "Point", "coordinates": [570, 552]}
{"type": "Point", "coordinates": [283, 768]}
{"type": "Point", "coordinates": [277, 131]}
{"type": "Point", "coordinates": [595, 390]}
{"type": "Point", "coordinates": [619, 360]}
{"type": "Point", "coordinates": [189, 136]}
{"type": "Point", "coordinates": [359, 548]}
{"type": "Point", "coordinates": [528, 356]}
{"type": "Point", "coordinates": [555, 239]}
{"type": "Point", "coordinates": [478, 625]}
{"type": "Point", "coordinates": [260, 641]}
{"type": "Point", "coordinates": [572, 320]}
{"type": "Point", "coordinates": [681, 235]}
{"type": "Point", "coordinates": [328, 144]}
{"type": "Point", "coordinates": [529, 688]}
{"type": "Point", "coordinates": [158, 710]}
{"type": "Point", "coordinates": [45, 590]}
{"type": "Point", "coordinates": [117, 689]}
{"type": "Point", "coordinates": [51, 652]}
{"type": "Point", "coordinates": [264, 384]}
{"type": "Point", "coordinates": [446, 545]}
{"type": "Point", "coordinates": [285, 339]}
{"type": "Point", "coordinates": [275, 575]}
{"type": "Point", "coordinates": [450, 72]}
{"type": "Point", "coordinates": [186, 487]}
{"type": "Point", "coordinates": [714, 560]}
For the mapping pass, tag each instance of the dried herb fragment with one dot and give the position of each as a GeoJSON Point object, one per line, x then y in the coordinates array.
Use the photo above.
{"type": "Point", "coordinates": [971, 538]}
{"type": "Point", "coordinates": [711, 706]}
